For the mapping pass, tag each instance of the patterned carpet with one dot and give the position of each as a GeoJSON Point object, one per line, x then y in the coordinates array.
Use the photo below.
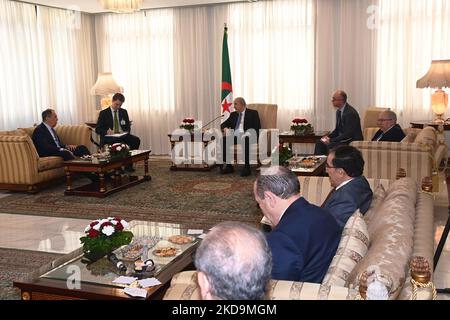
{"type": "Point", "coordinates": [16, 265]}
{"type": "Point", "coordinates": [197, 199]}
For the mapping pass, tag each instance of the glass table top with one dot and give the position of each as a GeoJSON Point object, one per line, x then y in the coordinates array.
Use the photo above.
{"type": "Point", "coordinates": [306, 163]}
{"type": "Point", "coordinates": [149, 242]}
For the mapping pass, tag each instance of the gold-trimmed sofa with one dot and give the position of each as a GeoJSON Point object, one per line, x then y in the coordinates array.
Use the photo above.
{"type": "Point", "coordinates": [420, 153]}
{"type": "Point", "coordinates": [22, 169]}
{"type": "Point", "coordinates": [399, 225]}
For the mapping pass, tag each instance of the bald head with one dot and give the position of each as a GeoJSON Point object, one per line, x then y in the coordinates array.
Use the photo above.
{"type": "Point", "coordinates": [236, 261]}
{"type": "Point", "coordinates": [339, 99]}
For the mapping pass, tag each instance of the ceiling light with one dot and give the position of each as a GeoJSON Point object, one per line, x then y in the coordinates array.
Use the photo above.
{"type": "Point", "coordinates": [121, 6]}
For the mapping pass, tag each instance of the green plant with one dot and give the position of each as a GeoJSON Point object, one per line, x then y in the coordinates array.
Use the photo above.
{"type": "Point", "coordinates": [283, 153]}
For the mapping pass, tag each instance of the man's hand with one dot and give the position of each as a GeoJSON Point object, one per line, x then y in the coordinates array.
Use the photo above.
{"type": "Point", "coordinates": [325, 139]}
{"type": "Point", "coordinates": [109, 131]}
{"type": "Point", "coordinates": [71, 147]}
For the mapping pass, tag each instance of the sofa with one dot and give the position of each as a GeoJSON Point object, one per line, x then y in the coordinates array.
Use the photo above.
{"type": "Point", "coordinates": [397, 227]}
{"type": "Point", "coordinates": [22, 169]}
{"type": "Point", "coordinates": [420, 153]}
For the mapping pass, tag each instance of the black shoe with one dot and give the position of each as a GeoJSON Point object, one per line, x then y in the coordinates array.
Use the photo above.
{"type": "Point", "coordinates": [246, 172]}
{"type": "Point", "coordinates": [227, 169]}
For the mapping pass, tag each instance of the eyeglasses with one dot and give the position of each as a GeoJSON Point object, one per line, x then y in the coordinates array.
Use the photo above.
{"type": "Point", "coordinates": [384, 119]}
{"type": "Point", "coordinates": [328, 166]}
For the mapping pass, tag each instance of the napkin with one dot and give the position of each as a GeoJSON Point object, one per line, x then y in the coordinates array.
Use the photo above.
{"type": "Point", "coordinates": [149, 282]}
{"type": "Point", "coordinates": [136, 292]}
{"type": "Point", "coordinates": [125, 280]}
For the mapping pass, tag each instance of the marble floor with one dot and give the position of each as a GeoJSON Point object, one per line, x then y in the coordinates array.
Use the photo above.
{"type": "Point", "coordinates": [61, 235]}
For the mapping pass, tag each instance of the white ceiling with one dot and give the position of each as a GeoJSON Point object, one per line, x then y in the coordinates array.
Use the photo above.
{"type": "Point", "coordinates": [93, 6]}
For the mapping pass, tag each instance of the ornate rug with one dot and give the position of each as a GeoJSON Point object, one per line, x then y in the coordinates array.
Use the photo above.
{"type": "Point", "coordinates": [16, 265]}
{"type": "Point", "coordinates": [197, 199]}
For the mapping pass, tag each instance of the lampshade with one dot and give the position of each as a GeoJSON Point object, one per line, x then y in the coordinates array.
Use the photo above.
{"type": "Point", "coordinates": [437, 77]}
{"type": "Point", "coordinates": [121, 6]}
{"type": "Point", "coordinates": [105, 85]}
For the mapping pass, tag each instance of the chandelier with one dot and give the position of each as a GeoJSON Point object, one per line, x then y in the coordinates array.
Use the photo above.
{"type": "Point", "coordinates": [121, 6]}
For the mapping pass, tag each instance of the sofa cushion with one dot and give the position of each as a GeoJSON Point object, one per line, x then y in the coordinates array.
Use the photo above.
{"type": "Point", "coordinates": [29, 131]}
{"type": "Point", "coordinates": [379, 194]}
{"type": "Point", "coordinates": [427, 136]}
{"type": "Point", "coordinates": [352, 248]}
{"type": "Point", "coordinates": [47, 163]}
{"type": "Point", "coordinates": [391, 231]}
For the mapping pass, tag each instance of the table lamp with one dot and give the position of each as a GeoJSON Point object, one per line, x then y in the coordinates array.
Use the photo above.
{"type": "Point", "coordinates": [105, 86]}
{"type": "Point", "coordinates": [437, 77]}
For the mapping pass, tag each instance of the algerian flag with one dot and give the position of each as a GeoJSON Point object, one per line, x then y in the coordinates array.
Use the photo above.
{"type": "Point", "coordinates": [227, 89]}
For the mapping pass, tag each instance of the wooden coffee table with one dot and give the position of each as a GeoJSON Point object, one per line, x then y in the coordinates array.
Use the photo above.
{"type": "Point", "coordinates": [103, 189]}
{"type": "Point", "coordinates": [55, 281]}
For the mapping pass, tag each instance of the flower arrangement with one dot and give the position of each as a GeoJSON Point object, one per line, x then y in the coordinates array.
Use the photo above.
{"type": "Point", "coordinates": [188, 124]}
{"type": "Point", "coordinates": [119, 150]}
{"type": "Point", "coordinates": [301, 127]}
{"type": "Point", "coordinates": [283, 153]}
{"type": "Point", "coordinates": [103, 236]}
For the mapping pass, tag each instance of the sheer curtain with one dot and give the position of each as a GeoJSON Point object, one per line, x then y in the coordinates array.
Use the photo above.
{"type": "Point", "coordinates": [46, 59]}
{"type": "Point", "coordinates": [410, 35]}
{"type": "Point", "coordinates": [271, 46]}
{"type": "Point", "coordinates": [138, 50]}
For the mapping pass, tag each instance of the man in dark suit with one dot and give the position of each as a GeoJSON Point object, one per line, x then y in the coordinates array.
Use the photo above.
{"type": "Point", "coordinates": [348, 125]}
{"type": "Point", "coordinates": [242, 126]}
{"type": "Point", "coordinates": [351, 191]}
{"type": "Point", "coordinates": [48, 143]}
{"type": "Point", "coordinates": [389, 129]}
{"type": "Point", "coordinates": [114, 120]}
{"type": "Point", "coordinates": [304, 238]}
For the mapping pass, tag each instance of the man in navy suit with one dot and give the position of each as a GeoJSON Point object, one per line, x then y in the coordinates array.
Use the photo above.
{"type": "Point", "coordinates": [114, 120]}
{"type": "Point", "coordinates": [245, 126]}
{"type": "Point", "coordinates": [48, 143]}
{"type": "Point", "coordinates": [304, 238]}
{"type": "Point", "coordinates": [348, 125]}
{"type": "Point", "coordinates": [389, 129]}
{"type": "Point", "coordinates": [351, 191]}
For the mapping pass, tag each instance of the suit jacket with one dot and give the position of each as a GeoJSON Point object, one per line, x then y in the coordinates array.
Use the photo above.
{"type": "Point", "coordinates": [44, 142]}
{"type": "Point", "coordinates": [303, 243]}
{"type": "Point", "coordinates": [105, 121]}
{"type": "Point", "coordinates": [343, 202]}
{"type": "Point", "coordinates": [394, 134]}
{"type": "Point", "coordinates": [349, 128]}
{"type": "Point", "coordinates": [251, 121]}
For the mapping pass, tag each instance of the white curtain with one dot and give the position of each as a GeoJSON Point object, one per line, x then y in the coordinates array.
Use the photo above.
{"type": "Point", "coordinates": [46, 59]}
{"type": "Point", "coordinates": [138, 50]}
{"type": "Point", "coordinates": [271, 47]}
{"type": "Point", "coordinates": [345, 57]}
{"type": "Point", "coordinates": [411, 33]}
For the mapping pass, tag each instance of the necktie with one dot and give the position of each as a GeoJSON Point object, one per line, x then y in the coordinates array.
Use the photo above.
{"type": "Point", "coordinates": [238, 122]}
{"type": "Point", "coordinates": [116, 122]}
{"type": "Point", "coordinates": [338, 121]}
{"type": "Point", "coordinates": [380, 136]}
{"type": "Point", "coordinates": [58, 144]}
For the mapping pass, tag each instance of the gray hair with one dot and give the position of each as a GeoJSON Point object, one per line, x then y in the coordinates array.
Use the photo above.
{"type": "Point", "coordinates": [237, 261]}
{"type": "Point", "coordinates": [281, 181]}
{"type": "Point", "coordinates": [391, 115]}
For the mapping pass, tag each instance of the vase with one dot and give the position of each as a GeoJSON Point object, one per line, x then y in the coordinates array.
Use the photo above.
{"type": "Point", "coordinates": [95, 255]}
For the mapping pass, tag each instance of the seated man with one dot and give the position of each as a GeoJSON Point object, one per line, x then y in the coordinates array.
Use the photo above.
{"type": "Point", "coordinates": [304, 237]}
{"type": "Point", "coordinates": [389, 129]}
{"type": "Point", "coordinates": [351, 190]}
{"type": "Point", "coordinates": [240, 121]}
{"type": "Point", "coordinates": [348, 125]}
{"type": "Point", "coordinates": [48, 143]}
{"type": "Point", "coordinates": [233, 263]}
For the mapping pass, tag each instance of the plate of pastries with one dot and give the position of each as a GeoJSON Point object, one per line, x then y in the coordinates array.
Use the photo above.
{"type": "Point", "coordinates": [166, 252]}
{"type": "Point", "coordinates": [181, 239]}
{"type": "Point", "coordinates": [309, 162]}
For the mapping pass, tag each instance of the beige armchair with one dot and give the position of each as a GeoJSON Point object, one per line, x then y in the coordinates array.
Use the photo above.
{"type": "Point", "coordinates": [22, 169]}
{"type": "Point", "coordinates": [268, 118]}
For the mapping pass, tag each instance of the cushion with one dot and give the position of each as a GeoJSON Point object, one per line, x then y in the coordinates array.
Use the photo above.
{"type": "Point", "coordinates": [352, 248]}
{"type": "Point", "coordinates": [391, 232]}
{"type": "Point", "coordinates": [377, 198]}
{"type": "Point", "coordinates": [427, 136]}
{"type": "Point", "coordinates": [28, 130]}
{"type": "Point", "coordinates": [47, 163]}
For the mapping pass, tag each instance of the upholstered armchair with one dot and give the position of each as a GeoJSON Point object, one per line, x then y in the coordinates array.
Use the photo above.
{"type": "Point", "coordinates": [419, 153]}
{"type": "Point", "coordinates": [22, 169]}
{"type": "Point", "coordinates": [268, 117]}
